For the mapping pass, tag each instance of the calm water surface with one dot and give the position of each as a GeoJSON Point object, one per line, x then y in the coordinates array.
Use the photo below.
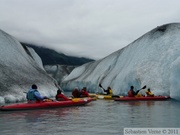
{"type": "Point", "coordinates": [100, 117]}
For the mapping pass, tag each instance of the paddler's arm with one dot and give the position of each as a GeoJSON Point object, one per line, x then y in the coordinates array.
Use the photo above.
{"type": "Point", "coordinates": [38, 96]}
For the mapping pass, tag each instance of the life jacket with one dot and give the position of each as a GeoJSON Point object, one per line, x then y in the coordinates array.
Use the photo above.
{"type": "Point", "coordinates": [76, 94]}
{"type": "Point", "coordinates": [61, 97]}
{"type": "Point", "coordinates": [110, 92]}
{"type": "Point", "coordinates": [130, 93]}
{"type": "Point", "coordinates": [31, 96]}
{"type": "Point", "coordinates": [149, 93]}
{"type": "Point", "coordinates": [84, 93]}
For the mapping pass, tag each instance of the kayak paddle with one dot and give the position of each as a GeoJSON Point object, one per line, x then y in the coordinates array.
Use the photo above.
{"type": "Point", "coordinates": [140, 89]}
{"type": "Point", "coordinates": [101, 86]}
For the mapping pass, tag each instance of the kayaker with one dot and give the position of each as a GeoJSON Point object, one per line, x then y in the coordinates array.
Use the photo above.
{"type": "Point", "coordinates": [60, 96]}
{"type": "Point", "coordinates": [108, 91]}
{"type": "Point", "coordinates": [33, 94]}
{"type": "Point", "coordinates": [76, 93]}
{"type": "Point", "coordinates": [84, 92]}
{"type": "Point", "coordinates": [131, 92]}
{"type": "Point", "coordinates": [149, 93]}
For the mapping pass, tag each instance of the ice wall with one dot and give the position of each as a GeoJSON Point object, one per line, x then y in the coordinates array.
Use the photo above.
{"type": "Point", "coordinates": [20, 67]}
{"type": "Point", "coordinates": [152, 60]}
{"type": "Point", "coordinates": [59, 72]}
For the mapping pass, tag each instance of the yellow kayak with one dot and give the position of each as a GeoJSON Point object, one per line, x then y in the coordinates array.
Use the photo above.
{"type": "Point", "coordinates": [92, 97]}
{"type": "Point", "coordinates": [102, 96]}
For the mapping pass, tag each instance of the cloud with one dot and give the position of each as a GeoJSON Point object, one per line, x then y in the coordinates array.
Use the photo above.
{"type": "Point", "coordinates": [90, 28]}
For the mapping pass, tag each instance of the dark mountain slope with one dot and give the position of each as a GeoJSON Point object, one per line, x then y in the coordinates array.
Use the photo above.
{"type": "Point", "coordinates": [51, 57]}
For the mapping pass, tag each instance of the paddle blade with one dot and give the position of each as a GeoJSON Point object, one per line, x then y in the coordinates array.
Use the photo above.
{"type": "Point", "coordinates": [100, 85]}
{"type": "Point", "coordinates": [144, 87]}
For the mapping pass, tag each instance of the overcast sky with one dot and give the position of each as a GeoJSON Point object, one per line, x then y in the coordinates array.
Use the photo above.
{"type": "Point", "coordinates": [88, 28]}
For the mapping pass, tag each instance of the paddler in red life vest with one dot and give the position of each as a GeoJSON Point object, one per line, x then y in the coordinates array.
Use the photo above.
{"type": "Point", "coordinates": [76, 93]}
{"type": "Point", "coordinates": [131, 92]}
{"type": "Point", "coordinates": [84, 92]}
{"type": "Point", "coordinates": [60, 96]}
{"type": "Point", "coordinates": [33, 95]}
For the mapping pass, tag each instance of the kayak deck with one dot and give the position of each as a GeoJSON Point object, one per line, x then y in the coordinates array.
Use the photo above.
{"type": "Point", "coordinates": [102, 96]}
{"type": "Point", "coordinates": [46, 105]}
{"type": "Point", "coordinates": [159, 98]}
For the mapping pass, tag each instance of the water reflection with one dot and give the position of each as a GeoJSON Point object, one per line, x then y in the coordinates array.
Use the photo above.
{"type": "Point", "coordinates": [99, 117]}
{"type": "Point", "coordinates": [37, 121]}
{"type": "Point", "coordinates": [150, 113]}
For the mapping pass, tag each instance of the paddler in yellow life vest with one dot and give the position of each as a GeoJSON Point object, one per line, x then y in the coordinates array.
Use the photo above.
{"type": "Point", "coordinates": [143, 93]}
{"type": "Point", "coordinates": [149, 93]}
{"type": "Point", "coordinates": [108, 91]}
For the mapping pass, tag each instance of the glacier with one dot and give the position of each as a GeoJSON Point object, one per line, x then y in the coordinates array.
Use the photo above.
{"type": "Point", "coordinates": [152, 60]}
{"type": "Point", "coordinates": [20, 67]}
{"type": "Point", "coordinates": [59, 72]}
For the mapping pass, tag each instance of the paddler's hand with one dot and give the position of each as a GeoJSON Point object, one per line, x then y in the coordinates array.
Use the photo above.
{"type": "Point", "coordinates": [47, 99]}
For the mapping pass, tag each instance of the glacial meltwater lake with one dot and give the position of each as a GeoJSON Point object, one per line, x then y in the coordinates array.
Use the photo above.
{"type": "Point", "coordinates": [100, 117]}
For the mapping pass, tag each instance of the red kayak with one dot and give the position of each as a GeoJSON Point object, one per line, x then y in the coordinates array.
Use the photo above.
{"type": "Point", "coordinates": [44, 105]}
{"type": "Point", "coordinates": [142, 98]}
